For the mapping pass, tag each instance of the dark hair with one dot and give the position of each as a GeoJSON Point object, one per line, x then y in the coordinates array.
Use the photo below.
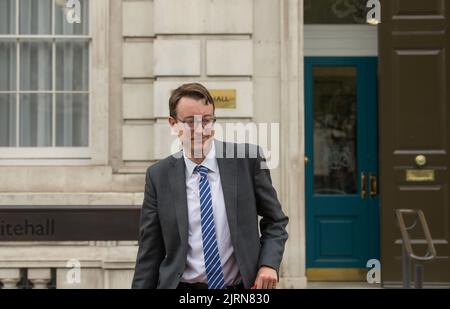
{"type": "Point", "coordinates": [194, 91]}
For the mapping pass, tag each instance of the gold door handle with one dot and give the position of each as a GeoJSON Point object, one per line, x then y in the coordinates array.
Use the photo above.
{"type": "Point", "coordinates": [373, 185]}
{"type": "Point", "coordinates": [363, 185]}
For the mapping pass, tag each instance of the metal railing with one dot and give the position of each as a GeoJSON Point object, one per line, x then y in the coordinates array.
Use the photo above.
{"type": "Point", "coordinates": [408, 254]}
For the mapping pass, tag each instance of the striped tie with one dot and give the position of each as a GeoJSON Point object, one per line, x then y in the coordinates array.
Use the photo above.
{"type": "Point", "coordinates": [213, 266]}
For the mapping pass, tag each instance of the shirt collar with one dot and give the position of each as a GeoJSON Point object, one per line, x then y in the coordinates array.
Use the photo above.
{"type": "Point", "coordinates": [210, 161]}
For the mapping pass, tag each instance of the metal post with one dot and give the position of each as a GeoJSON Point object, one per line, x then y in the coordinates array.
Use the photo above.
{"type": "Point", "coordinates": [418, 276]}
{"type": "Point", "coordinates": [406, 268]}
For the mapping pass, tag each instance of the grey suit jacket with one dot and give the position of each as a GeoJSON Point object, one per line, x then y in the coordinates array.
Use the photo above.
{"type": "Point", "coordinates": [248, 192]}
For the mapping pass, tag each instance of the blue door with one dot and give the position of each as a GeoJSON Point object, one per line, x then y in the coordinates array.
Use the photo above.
{"type": "Point", "coordinates": [342, 209]}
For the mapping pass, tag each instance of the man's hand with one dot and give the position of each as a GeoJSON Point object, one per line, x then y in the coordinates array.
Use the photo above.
{"type": "Point", "coordinates": [266, 278]}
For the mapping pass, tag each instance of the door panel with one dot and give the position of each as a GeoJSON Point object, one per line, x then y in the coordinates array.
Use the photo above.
{"type": "Point", "coordinates": [414, 116]}
{"type": "Point", "coordinates": [341, 144]}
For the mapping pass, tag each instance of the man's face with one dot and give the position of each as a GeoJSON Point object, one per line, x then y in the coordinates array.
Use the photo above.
{"type": "Point", "coordinates": [194, 135]}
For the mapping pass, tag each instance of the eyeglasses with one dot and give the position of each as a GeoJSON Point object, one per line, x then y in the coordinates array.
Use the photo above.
{"type": "Point", "coordinates": [191, 121]}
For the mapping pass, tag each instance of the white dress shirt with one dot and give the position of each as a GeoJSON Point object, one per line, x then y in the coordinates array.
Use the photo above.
{"type": "Point", "coordinates": [195, 264]}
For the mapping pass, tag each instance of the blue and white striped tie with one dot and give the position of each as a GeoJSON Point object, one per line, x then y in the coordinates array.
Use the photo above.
{"type": "Point", "coordinates": [213, 266]}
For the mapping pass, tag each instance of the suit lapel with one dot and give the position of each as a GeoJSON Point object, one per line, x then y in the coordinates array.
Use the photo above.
{"type": "Point", "coordinates": [177, 181]}
{"type": "Point", "coordinates": [228, 179]}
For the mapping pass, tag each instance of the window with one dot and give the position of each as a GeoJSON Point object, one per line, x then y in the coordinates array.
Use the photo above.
{"type": "Point", "coordinates": [335, 11]}
{"type": "Point", "coordinates": [44, 77]}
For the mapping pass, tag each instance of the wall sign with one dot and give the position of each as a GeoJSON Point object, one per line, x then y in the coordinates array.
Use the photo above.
{"type": "Point", "coordinates": [224, 98]}
{"type": "Point", "coordinates": [69, 223]}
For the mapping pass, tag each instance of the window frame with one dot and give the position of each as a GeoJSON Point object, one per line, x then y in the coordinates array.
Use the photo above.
{"type": "Point", "coordinates": [98, 96]}
{"type": "Point", "coordinates": [98, 64]}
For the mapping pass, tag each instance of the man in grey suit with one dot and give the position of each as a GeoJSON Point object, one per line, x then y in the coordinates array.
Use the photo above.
{"type": "Point", "coordinates": [199, 219]}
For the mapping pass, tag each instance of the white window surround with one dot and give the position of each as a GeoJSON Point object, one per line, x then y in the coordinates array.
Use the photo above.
{"type": "Point", "coordinates": [97, 152]}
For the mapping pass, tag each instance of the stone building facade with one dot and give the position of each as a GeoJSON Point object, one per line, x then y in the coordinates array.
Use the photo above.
{"type": "Point", "coordinates": [139, 51]}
